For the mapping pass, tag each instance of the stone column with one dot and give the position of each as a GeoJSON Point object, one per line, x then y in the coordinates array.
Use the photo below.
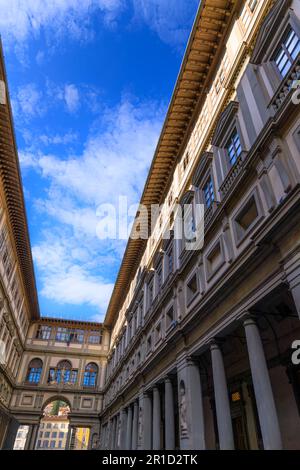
{"type": "Point", "coordinates": [129, 428]}
{"type": "Point", "coordinates": [156, 420]}
{"type": "Point", "coordinates": [115, 433]}
{"type": "Point", "coordinates": [135, 425]}
{"type": "Point", "coordinates": [222, 399]}
{"type": "Point", "coordinates": [262, 387]}
{"type": "Point", "coordinates": [10, 437]}
{"type": "Point", "coordinates": [73, 438]}
{"type": "Point", "coordinates": [169, 416]}
{"type": "Point", "coordinates": [68, 440]}
{"type": "Point", "coordinates": [103, 374]}
{"type": "Point", "coordinates": [32, 437]}
{"type": "Point", "coordinates": [123, 418]}
{"type": "Point", "coordinates": [191, 419]}
{"type": "Point", "coordinates": [147, 423]}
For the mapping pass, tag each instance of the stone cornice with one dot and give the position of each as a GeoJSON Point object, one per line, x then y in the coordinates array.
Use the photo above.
{"type": "Point", "coordinates": [202, 53]}
{"type": "Point", "coordinates": [12, 186]}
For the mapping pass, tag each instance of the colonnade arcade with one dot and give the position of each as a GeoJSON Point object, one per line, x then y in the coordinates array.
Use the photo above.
{"type": "Point", "coordinates": [228, 392]}
{"type": "Point", "coordinates": [33, 425]}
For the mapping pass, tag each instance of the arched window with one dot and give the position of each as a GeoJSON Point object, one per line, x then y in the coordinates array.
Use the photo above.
{"type": "Point", "coordinates": [63, 373]}
{"type": "Point", "coordinates": [34, 371]}
{"type": "Point", "coordinates": [64, 369]}
{"type": "Point", "coordinates": [90, 375]}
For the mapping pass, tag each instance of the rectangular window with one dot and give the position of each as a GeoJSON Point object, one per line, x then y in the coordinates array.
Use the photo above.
{"type": "Point", "coordinates": [52, 444]}
{"type": "Point", "coordinates": [233, 147]}
{"type": "Point", "coordinates": [192, 288]}
{"type": "Point", "coordinates": [252, 5]}
{"type": "Point", "coordinates": [170, 260]}
{"type": "Point", "coordinates": [43, 332]}
{"type": "Point", "coordinates": [61, 435]}
{"type": "Point", "coordinates": [76, 336]}
{"type": "Point", "coordinates": [150, 293]}
{"type": "Point", "coordinates": [95, 337]}
{"type": "Point", "coordinates": [159, 277]}
{"type": "Point", "coordinates": [209, 193]}
{"type": "Point", "coordinates": [247, 217]}
{"type": "Point", "coordinates": [170, 317]}
{"type": "Point", "coordinates": [62, 334]}
{"type": "Point", "coordinates": [149, 344]}
{"type": "Point", "coordinates": [287, 51]}
{"type": "Point", "coordinates": [158, 332]}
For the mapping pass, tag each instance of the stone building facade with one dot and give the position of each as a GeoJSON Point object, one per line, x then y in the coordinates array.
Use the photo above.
{"type": "Point", "coordinates": [201, 341]}
{"type": "Point", "coordinates": [196, 348]}
{"type": "Point", "coordinates": [41, 359]}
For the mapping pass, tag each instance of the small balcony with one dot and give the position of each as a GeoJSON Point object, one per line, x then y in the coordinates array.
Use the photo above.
{"type": "Point", "coordinates": [287, 87]}
{"type": "Point", "coordinates": [233, 174]}
{"type": "Point", "coordinates": [209, 212]}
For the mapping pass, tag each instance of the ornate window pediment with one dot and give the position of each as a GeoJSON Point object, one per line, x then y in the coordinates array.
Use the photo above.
{"type": "Point", "coordinates": [270, 25]}
{"type": "Point", "coordinates": [224, 122]}
{"type": "Point", "coordinates": [201, 170]}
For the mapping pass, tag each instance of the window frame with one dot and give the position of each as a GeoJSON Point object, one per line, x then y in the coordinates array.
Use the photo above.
{"type": "Point", "coordinates": [212, 197]}
{"type": "Point", "coordinates": [231, 142]}
{"type": "Point", "coordinates": [34, 371]}
{"type": "Point", "coordinates": [282, 47]}
{"type": "Point", "coordinates": [239, 237]}
{"type": "Point", "coordinates": [90, 377]}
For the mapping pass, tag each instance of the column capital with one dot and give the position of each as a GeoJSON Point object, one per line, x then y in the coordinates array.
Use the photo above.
{"type": "Point", "coordinates": [250, 320]}
{"type": "Point", "coordinates": [215, 343]}
{"type": "Point", "coordinates": [185, 360]}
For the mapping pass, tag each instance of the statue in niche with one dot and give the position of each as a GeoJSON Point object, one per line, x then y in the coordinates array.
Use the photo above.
{"type": "Point", "coordinates": [183, 410]}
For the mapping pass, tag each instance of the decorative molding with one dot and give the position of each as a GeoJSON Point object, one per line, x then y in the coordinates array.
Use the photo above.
{"type": "Point", "coordinates": [225, 120]}
{"type": "Point", "coordinates": [269, 26]}
{"type": "Point", "coordinates": [204, 163]}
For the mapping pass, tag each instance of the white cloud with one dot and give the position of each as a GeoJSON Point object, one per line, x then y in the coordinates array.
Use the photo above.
{"type": "Point", "coordinates": [28, 101]}
{"type": "Point", "coordinates": [169, 19]}
{"type": "Point", "coordinates": [65, 280]}
{"type": "Point", "coordinates": [71, 97]}
{"type": "Point", "coordinates": [21, 19]}
{"type": "Point", "coordinates": [58, 139]}
{"type": "Point", "coordinates": [24, 19]}
{"type": "Point", "coordinates": [114, 162]}
{"type": "Point", "coordinates": [74, 265]}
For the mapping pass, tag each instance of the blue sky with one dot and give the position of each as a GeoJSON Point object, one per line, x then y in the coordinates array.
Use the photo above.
{"type": "Point", "coordinates": [90, 81]}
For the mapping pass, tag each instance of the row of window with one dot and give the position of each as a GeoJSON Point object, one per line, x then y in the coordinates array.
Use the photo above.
{"type": "Point", "coordinates": [53, 425]}
{"type": "Point", "coordinates": [54, 434]}
{"type": "Point", "coordinates": [284, 58]}
{"type": "Point", "coordinates": [62, 374]}
{"type": "Point", "coordinates": [13, 283]}
{"type": "Point", "coordinates": [68, 335]}
{"type": "Point", "coordinates": [49, 444]}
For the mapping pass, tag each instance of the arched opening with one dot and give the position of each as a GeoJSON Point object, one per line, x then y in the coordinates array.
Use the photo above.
{"type": "Point", "coordinates": [54, 425]}
{"type": "Point", "coordinates": [62, 373]}
{"type": "Point", "coordinates": [34, 371]}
